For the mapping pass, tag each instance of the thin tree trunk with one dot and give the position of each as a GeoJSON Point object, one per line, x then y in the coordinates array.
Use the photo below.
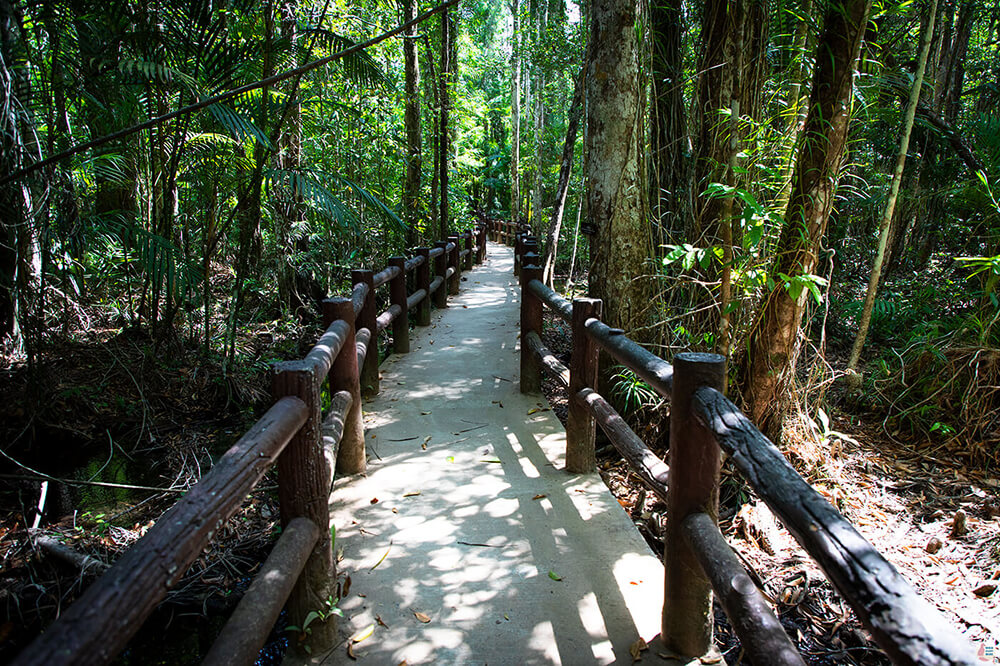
{"type": "Point", "coordinates": [890, 204]}
{"type": "Point", "coordinates": [444, 143]}
{"type": "Point", "coordinates": [670, 143]}
{"type": "Point", "coordinates": [565, 169]}
{"type": "Point", "coordinates": [515, 112]}
{"type": "Point", "coordinates": [773, 345]}
{"type": "Point", "coordinates": [411, 191]}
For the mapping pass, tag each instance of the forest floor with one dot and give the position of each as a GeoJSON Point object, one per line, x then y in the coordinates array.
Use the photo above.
{"type": "Point", "coordinates": [127, 426]}
{"type": "Point", "coordinates": [119, 427]}
{"type": "Point", "coordinates": [924, 508]}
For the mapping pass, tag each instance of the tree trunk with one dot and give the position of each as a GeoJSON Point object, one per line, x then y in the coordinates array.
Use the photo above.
{"type": "Point", "coordinates": [411, 191]}
{"type": "Point", "coordinates": [562, 189]}
{"type": "Point", "coordinates": [890, 204]}
{"type": "Point", "coordinates": [670, 143]}
{"type": "Point", "coordinates": [619, 246]}
{"type": "Point", "coordinates": [515, 113]}
{"type": "Point", "coordinates": [444, 142]}
{"type": "Point", "coordinates": [290, 212]}
{"type": "Point", "coordinates": [772, 349]}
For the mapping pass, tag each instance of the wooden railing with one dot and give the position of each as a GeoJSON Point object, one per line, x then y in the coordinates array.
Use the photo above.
{"type": "Point", "coordinates": [697, 559]}
{"type": "Point", "coordinates": [305, 445]}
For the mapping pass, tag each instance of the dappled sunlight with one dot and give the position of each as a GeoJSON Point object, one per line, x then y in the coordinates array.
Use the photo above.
{"type": "Point", "coordinates": [466, 541]}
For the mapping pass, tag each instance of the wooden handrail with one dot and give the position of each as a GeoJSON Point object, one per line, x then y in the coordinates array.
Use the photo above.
{"type": "Point", "coordinates": [97, 626]}
{"type": "Point", "coordinates": [904, 625]}
{"type": "Point", "coordinates": [100, 623]}
{"type": "Point", "coordinates": [907, 627]}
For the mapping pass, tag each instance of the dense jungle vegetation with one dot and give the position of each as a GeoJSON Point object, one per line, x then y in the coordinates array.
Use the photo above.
{"type": "Point", "coordinates": [808, 187]}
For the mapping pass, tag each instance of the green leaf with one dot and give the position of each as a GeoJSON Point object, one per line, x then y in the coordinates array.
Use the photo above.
{"type": "Point", "coordinates": [554, 576]}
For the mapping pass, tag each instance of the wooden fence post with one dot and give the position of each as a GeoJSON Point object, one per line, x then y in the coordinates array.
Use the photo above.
{"type": "Point", "coordinates": [441, 271]}
{"type": "Point", "coordinates": [344, 375]}
{"type": "Point", "coordinates": [453, 262]}
{"type": "Point", "coordinates": [366, 319]}
{"type": "Point", "coordinates": [529, 245]}
{"type": "Point", "coordinates": [694, 486]}
{"type": "Point", "coordinates": [304, 491]}
{"type": "Point", "coordinates": [481, 242]}
{"type": "Point", "coordinates": [469, 250]}
{"type": "Point", "coordinates": [517, 255]}
{"type": "Point", "coordinates": [531, 320]}
{"type": "Point", "coordinates": [424, 282]}
{"type": "Point", "coordinates": [580, 426]}
{"type": "Point", "coordinates": [397, 296]}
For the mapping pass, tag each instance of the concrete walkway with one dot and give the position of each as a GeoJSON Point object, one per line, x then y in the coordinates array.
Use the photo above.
{"type": "Point", "coordinates": [467, 543]}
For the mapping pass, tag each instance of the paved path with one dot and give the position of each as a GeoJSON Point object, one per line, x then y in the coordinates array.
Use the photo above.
{"type": "Point", "coordinates": [466, 538]}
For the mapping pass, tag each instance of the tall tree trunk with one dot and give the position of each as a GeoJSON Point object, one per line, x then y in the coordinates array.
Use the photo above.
{"type": "Point", "coordinates": [411, 191]}
{"type": "Point", "coordinates": [619, 246]}
{"type": "Point", "coordinates": [515, 113]}
{"type": "Point", "coordinates": [289, 212]}
{"type": "Point", "coordinates": [890, 204]}
{"type": "Point", "coordinates": [772, 349]}
{"type": "Point", "coordinates": [670, 142]}
{"type": "Point", "coordinates": [562, 189]}
{"type": "Point", "coordinates": [444, 137]}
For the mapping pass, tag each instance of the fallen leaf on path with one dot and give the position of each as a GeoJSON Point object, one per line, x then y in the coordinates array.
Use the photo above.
{"type": "Point", "coordinates": [378, 618]}
{"type": "Point", "coordinates": [535, 410]}
{"type": "Point", "coordinates": [423, 617]}
{"type": "Point", "coordinates": [374, 500]}
{"type": "Point", "coordinates": [637, 648]}
{"type": "Point", "coordinates": [382, 559]}
{"type": "Point", "coordinates": [542, 496]}
{"type": "Point", "coordinates": [985, 590]}
{"type": "Point", "coordinates": [554, 576]}
{"type": "Point", "coordinates": [413, 494]}
{"type": "Point", "coordinates": [489, 460]}
{"type": "Point", "coordinates": [363, 634]}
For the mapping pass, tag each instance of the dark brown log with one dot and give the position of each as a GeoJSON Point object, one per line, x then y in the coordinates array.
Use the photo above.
{"type": "Point", "coordinates": [361, 340]}
{"type": "Point", "coordinates": [517, 255]}
{"type": "Point", "coordinates": [393, 314]}
{"type": "Point", "coordinates": [695, 463]}
{"type": "Point", "coordinates": [531, 320]}
{"type": "Point", "coordinates": [424, 285]}
{"type": "Point", "coordinates": [481, 239]}
{"type": "Point", "coordinates": [761, 635]}
{"type": "Point", "coordinates": [304, 491]}
{"type": "Point", "coordinates": [397, 296]}
{"type": "Point", "coordinates": [414, 262]}
{"type": "Point", "coordinates": [556, 303]}
{"type": "Point", "coordinates": [909, 629]}
{"type": "Point", "coordinates": [344, 377]}
{"type": "Point", "coordinates": [546, 359]}
{"type": "Point", "coordinates": [366, 318]}
{"type": "Point", "coordinates": [326, 349]}
{"type": "Point", "coordinates": [440, 271]}
{"type": "Point", "coordinates": [359, 294]}
{"type": "Point", "coordinates": [653, 471]}
{"type": "Point", "coordinates": [454, 265]}
{"type": "Point", "coordinates": [583, 368]}
{"type": "Point", "coordinates": [332, 429]}
{"type": "Point", "coordinates": [87, 564]}
{"type": "Point", "coordinates": [386, 275]}
{"type": "Point", "coordinates": [648, 366]}
{"type": "Point", "coordinates": [97, 626]}
{"type": "Point", "coordinates": [416, 298]}
{"type": "Point", "coordinates": [248, 627]}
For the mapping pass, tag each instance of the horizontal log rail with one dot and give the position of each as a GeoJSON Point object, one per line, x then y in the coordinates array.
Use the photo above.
{"type": "Point", "coordinates": [703, 424]}
{"type": "Point", "coordinates": [307, 448]}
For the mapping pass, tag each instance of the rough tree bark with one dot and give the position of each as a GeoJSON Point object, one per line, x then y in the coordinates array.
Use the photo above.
{"type": "Point", "coordinates": [772, 348]}
{"type": "Point", "coordinates": [619, 246]}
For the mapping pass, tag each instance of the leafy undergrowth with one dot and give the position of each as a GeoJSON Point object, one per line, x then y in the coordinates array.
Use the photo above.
{"type": "Point", "coordinates": [933, 517]}
{"type": "Point", "coordinates": [119, 429]}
